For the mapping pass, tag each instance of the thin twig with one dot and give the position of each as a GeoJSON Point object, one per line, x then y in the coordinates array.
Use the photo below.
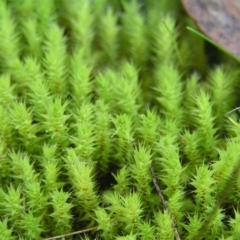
{"type": "Point", "coordinates": [155, 182]}
{"type": "Point", "coordinates": [72, 233]}
{"type": "Point", "coordinates": [232, 110]}
{"type": "Point", "coordinates": [232, 121]}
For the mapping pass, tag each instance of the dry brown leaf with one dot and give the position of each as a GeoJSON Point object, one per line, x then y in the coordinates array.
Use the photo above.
{"type": "Point", "coordinates": [219, 20]}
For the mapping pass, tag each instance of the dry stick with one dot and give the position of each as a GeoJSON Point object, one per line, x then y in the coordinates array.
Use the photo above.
{"type": "Point", "coordinates": [230, 119]}
{"type": "Point", "coordinates": [232, 110]}
{"type": "Point", "coordinates": [164, 202]}
{"type": "Point", "coordinates": [72, 233]}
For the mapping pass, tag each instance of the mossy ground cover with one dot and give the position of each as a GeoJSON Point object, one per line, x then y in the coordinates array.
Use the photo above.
{"type": "Point", "coordinates": [96, 94]}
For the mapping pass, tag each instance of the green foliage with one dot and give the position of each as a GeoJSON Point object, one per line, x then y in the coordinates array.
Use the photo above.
{"type": "Point", "coordinates": [140, 172]}
{"type": "Point", "coordinates": [169, 87]}
{"type": "Point", "coordinates": [234, 225]}
{"type": "Point", "coordinates": [54, 61]}
{"type": "Point", "coordinates": [80, 79]}
{"type": "Point", "coordinates": [5, 232]}
{"type": "Point", "coordinates": [164, 229]}
{"type": "Point", "coordinates": [9, 46]}
{"type": "Point", "coordinates": [94, 94]}
{"type": "Point", "coordinates": [108, 34]}
{"type": "Point", "coordinates": [204, 120]}
{"type": "Point", "coordinates": [204, 185]}
{"type": "Point", "coordinates": [61, 214]}
{"type": "Point", "coordinates": [134, 33]}
{"type": "Point", "coordinates": [164, 38]}
{"type": "Point", "coordinates": [222, 85]}
{"type": "Point", "coordinates": [124, 138]}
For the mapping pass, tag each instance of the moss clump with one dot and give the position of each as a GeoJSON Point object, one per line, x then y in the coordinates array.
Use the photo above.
{"type": "Point", "coordinates": [94, 94]}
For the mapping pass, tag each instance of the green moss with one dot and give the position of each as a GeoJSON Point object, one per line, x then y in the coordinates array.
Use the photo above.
{"type": "Point", "coordinates": [95, 93]}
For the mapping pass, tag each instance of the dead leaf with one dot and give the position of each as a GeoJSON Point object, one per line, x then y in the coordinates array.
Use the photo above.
{"type": "Point", "coordinates": [219, 20]}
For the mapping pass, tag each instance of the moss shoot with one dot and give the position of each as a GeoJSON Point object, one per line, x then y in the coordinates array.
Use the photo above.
{"type": "Point", "coordinates": [95, 96]}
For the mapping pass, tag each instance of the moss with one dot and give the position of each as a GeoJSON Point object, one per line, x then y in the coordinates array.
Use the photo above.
{"type": "Point", "coordinates": [94, 94]}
